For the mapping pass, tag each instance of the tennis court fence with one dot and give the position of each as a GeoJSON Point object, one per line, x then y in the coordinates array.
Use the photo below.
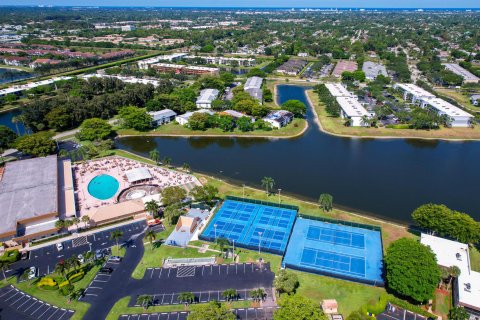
{"type": "Point", "coordinates": [264, 203]}
{"type": "Point", "coordinates": [342, 222]}
{"type": "Point", "coordinates": [333, 275]}
{"type": "Point", "coordinates": [243, 245]}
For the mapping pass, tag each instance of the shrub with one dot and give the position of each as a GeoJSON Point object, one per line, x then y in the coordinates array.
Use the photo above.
{"type": "Point", "coordinates": [398, 126]}
{"type": "Point", "coordinates": [10, 256]}
{"type": "Point", "coordinates": [47, 283]}
{"type": "Point", "coordinates": [76, 277]}
{"type": "Point", "coordinates": [66, 290]}
{"type": "Point", "coordinates": [379, 306]}
{"type": "Point", "coordinates": [63, 284]}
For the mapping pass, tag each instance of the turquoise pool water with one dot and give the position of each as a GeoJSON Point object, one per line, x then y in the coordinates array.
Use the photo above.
{"type": "Point", "coordinates": [103, 187]}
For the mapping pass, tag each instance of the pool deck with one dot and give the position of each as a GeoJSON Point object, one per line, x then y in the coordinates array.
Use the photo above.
{"type": "Point", "coordinates": [116, 166]}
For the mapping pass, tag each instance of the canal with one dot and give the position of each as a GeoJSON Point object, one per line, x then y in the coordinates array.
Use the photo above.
{"type": "Point", "coordinates": [387, 178]}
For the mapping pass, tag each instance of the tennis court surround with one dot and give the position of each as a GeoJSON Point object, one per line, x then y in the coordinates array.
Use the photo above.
{"type": "Point", "coordinates": [250, 223]}
{"type": "Point", "coordinates": [337, 250]}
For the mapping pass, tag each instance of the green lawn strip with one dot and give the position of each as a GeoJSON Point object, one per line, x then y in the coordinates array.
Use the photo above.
{"type": "Point", "coordinates": [53, 297]}
{"type": "Point", "coordinates": [121, 307]}
{"type": "Point", "coordinates": [442, 304]}
{"type": "Point", "coordinates": [118, 251]}
{"type": "Point", "coordinates": [293, 129]}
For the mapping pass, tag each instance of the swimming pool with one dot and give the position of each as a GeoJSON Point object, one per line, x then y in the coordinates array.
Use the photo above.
{"type": "Point", "coordinates": [103, 187]}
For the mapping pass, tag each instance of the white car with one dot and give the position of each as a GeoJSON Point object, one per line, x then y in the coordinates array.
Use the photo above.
{"type": "Point", "coordinates": [32, 273]}
{"type": "Point", "coordinates": [81, 259]}
{"type": "Point", "coordinates": [59, 246]}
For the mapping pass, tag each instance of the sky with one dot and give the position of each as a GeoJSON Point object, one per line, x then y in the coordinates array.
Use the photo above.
{"type": "Point", "coordinates": [259, 3]}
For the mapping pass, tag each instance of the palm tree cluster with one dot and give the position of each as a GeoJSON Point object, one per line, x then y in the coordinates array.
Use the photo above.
{"type": "Point", "coordinates": [230, 294]}
{"type": "Point", "coordinates": [186, 298]}
{"type": "Point", "coordinates": [257, 295]}
{"type": "Point", "coordinates": [268, 183]}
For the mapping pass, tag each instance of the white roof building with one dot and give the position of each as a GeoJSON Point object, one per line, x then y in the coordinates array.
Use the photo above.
{"type": "Point", "coordinates": [414, 91]}
{"type": "Point", "coordinates": [338, 90]}
{"type": "Point", "coordinates": [253, 83]}
{"type": "Point", "coordinates": [452, 253]}
{"type": "Point", "coordinates": [162, 116]}
{"type": "Point", "coordinates": [138, 174]}
{"type": "Point", "coordinates": [458, 117]}
{"type": "Point", "coordinates": [352, 109]}
{"type": "Point", "coordinates": [467, 76]}
{"type": "Point", "coordinates": [183, 119]}
{"type": "Point", "coordinates": [373, 70]}
{"type": "Point", "coordinates": [206, 97]}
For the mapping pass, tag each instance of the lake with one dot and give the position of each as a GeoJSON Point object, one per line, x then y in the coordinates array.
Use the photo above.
{"type": "Point", "coordinates": [6, 120]}
{"type": "Point", "coordinates": [10, 75]}
{"type": "Point", "coordinates": [387, 178]}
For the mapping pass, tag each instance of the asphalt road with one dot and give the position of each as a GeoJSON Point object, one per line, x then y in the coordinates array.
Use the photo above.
{"type": "Point", "coordinates": [45, 259]}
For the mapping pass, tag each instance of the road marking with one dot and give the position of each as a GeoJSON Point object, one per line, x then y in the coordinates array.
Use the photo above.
{"type": "Point", "coordinates": [41, 305]}
{"type": "Point", "coordinates": [44, 312]}
{"type": "Point", "coordinates": [160, 273]}
{"type": "Point", "coordinates": [29, 298]}
{"type": "Point", "coordinates": [11, 297]}
{"type": "Point", "coordinates": [31, 305]}
{"type": "Point", "coordinates": [52, 314]}
{"type": "Point", "coordinates": [6, 292]}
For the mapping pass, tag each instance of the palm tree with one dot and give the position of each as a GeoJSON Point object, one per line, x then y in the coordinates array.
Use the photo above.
{"type": "Point", "coordinates": [230, 294]}
{"type": "Point", "coordinates": [365, 121]}
{"type": "Point", "coordinates": [4, 265]}
{"type": "Point", "coordinates": [16, 120]}
{"type": "Point", "coordinates": [60, 268]}
{"type": "Point", "coordinates": [75, 262]}
{"type": "Point", "coordinates": [88, 255]}
{"type": "Point", "coordinates": [453, 272]}
{"type": "Point", "coordinates": [268, 183]}
{"type": "Point", "coordinates": [348, 122]}
{"type": "Point", "coordinates": [257, 294]}
{"type": "Point", "coordinates": [186, 297]}
{"type": "Point", "coordinates": [326, 202]}
{"type": "Point", "coordinates": [59, 224]}
{"type": "Point", "coordinates": [155, 156]}
{"type": "Point", "coordinates": [76, 221]}
{"type": "Point", "coordinates": [186, 167]}
{"type": "Point", "coordinates": [67, 223]}
{"type": "Point", "coordinates": [151, 236]}
{"type": "Point", "coordinates": [74, 295]}
{"type": "Point", "coordinates": [222, 243]}
{"type": "Point", "coordinates": [472, 122]}
{"type": "Point", "coordinates": [116, 235]}
{"type": "Point", "coordinates": [167, 161]}
{"type": "Point", "coordinates": [152, 207]}
{"type": "Point", "coordinates": [86, 219]}
{"type": "Point", "coordinates": [145, 301]}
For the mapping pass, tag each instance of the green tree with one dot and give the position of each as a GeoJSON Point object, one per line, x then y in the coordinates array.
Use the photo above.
{"type": "Point", "coordinates": [172, 195]}
{"type": "Point", "coordinates": [222, 243]}
{"type": "Point", "coordinates": [257, 294]}
{"type": "Point", "coordinates": [256, 72]}
{"type": "Point", "coordinates": [151, 236]}
{"type": "Point", "coordinates": [204, 193]}
{"type": "Point", "coordinates": [227, 78]}
{"type": "Point", "coordinates": [212, 310]}
{"type": "Point", "coordinates": [60, 268]}
{"type": "Point", "coordinates": [244, 124]}
{"type": "Point", "coordinates": [230, 294]}
{"type": "Point", "coordinates": [298, 308]}
{"type": "Point", "coordinates": [453, 272]}
{"type": "Point", "coordinates": [152, 207]}
{"type": "Point", "coordinates": [76, 221]}
{"type": "Point", "coordinates": [225, 122]}
{"type": "Point", "coordinates": [186, 298]}
{"type": "Point", "coordinates": [4, 265]}
{"type": "Point", "coordinates": [411, 270]}
{"type": "Point", "coordinates": [116, 235]}
{"type": "Point", "coordinates": [286, 282]}
{"type": "Point", "coordinates": [59, 224]}
{"type": "Point", "coordinates": [86, 220]}
{"type": "Point", "coordinates": [326, 202]}
{"type": "Point", "coordinates": [296, 107]}
{"type": "Point", "coordinates": [172, 213]}
{"type": "Point", "coordinates": [268, 183]}
{"type": "Point", "coordinates": [155, 156]}
{"type": "Point", "coordinates": [199, 121]}
{"type": "Point", "coordinates": [446, 222]}
{"type": "Point", "coordinates": [94, 129]}
{"type": "Point", "coordinates": [186, 167]}
{"type": "Point", "coordinates": [458, 313]}
{"type": "Point", "coordinates": [74, 262]}
{"type": "Point", "coordinates": [7, 137]}
{"type": "Point", "coordinates": [39, 144]}
{"type": "Point", "coordinates": [145, 301]}
{"type": "Point", "coordinates": [136, 118]}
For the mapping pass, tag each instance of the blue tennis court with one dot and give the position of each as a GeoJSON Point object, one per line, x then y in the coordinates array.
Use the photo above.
{"type": "Point", "coordinates": [252, 224]}
{"type": "Point", "coordinates": [351, 253]}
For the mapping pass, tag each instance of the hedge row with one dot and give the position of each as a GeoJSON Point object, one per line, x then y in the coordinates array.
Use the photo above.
{"type": "Point", "coordinates": [10, 256]}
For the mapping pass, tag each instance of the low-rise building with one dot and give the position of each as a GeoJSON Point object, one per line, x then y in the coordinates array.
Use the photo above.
{"type": "Point", "coordinates": [457, 117]}
{"type": "Point", "coordinates": [253, 87]}
{"type": "Point", "coordinates": [183, 119]}
{"type": "Point", "coordinates": [467, 76]}
{"type": "Point", "coordinates": [179, 68]}
{"type": "Point", "coordinates": [466, 289]}
{"type": "Point", "coordinates": [351, 108]}
{"type": "Point", "coordinates": [278, 119]}
{"type": "Point", "coordinates": [292, 67]}
{"type": "Point", "coordinates": [236, 114]}
{"type": "Point", "coordinates": [145, 64]}
{"type": "Point", "coordinates": [232, 61]}
{"type": "Point", "coordinates": [413, 92]}
{"type": "Point", "coordinates": [206, 97]}
{"type": "Point", "coordinates": [128, 27]}
{"type": "Point", "coordinates": [40, 62]}
{"type": "Point", "coordinates": [338, 90]}
{"type": "Point", "coordinates": [344, 65]}
{"type": "Point", "coordinates": [373, 70]}
{"type": "Point", "coordinates": [162, 116]}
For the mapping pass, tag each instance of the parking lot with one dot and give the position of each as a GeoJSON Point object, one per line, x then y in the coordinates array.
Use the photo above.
{"type": "Point", "coordinates": [99, 283]}
{"type": "Point", "coordinates": [242, 314]}
{"type": "Point", "coordinates": [16, 304]}
{"type": "Point", "coordinates": [45, 259]}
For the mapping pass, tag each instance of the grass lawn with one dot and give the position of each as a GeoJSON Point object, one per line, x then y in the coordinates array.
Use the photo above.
{"type": "Point", "coordinates": [121, 307]}
{"type": "Point", "coordinates": [55, 298]}
{"type": "Point", "coordinates": [293, 129]}
{"type": "Point", "coordinates": [458, 96]}
{"type": "Point", "coordinates": [335, 126]}
{"type": "Point", "coordinates": [118, 251]}
{"type": "Point", "coordinates": [442, 302]}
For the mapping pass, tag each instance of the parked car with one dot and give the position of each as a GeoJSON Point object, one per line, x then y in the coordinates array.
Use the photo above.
{"type": "Point", "coordinates": [98, 254]}
{"type": "Point", "coordinates": [32, 273]}
{"type": "Point", "coordinates": [24, 255]}
{"type": "Point", "coordinates": [114, 259]}
{"type": "Point", "coordinates": [105, 270]}
{"type": "Point", "coordinates": [59, 246]}
{"type": "Point", "coordinates": [81, 259]}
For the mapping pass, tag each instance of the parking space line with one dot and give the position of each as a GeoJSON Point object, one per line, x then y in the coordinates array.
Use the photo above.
{"type": "Point", "coordinates": [7, 292]}
{"type": "Point", "coordinates": [31, 305]}
{"type": "Point", "coordinates": [52, 314]}
{"type": "Point", "coordinates": [44, 311]}
{"type": "Point", "coordinates": [29, 298]}
{"type": "Point", "coordinates": [12, 296]}
{"type": "Point", "coordinates": [160, 274]}
{"type": "Point", "coordinates": [64, 312]}
{"type": "Point", "coordinates": [41, 305]}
